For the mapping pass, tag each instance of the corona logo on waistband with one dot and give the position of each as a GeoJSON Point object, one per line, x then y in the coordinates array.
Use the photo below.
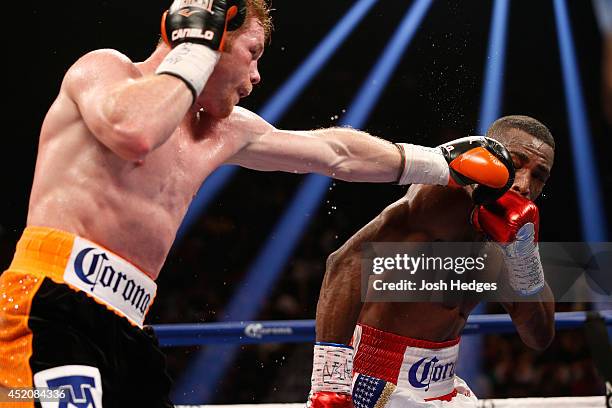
{"type": "Point", "coordinates": [110, 279]}
{"type": "Point", "coordinates": [427, 371]}
{"type": "Point", "coordinates": [105, 275]}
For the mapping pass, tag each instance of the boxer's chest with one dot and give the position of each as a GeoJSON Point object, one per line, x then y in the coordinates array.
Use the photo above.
{"type": "Point", "coordinates": [192, 154]}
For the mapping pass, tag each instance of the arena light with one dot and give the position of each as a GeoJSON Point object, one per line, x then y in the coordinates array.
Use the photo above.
{"type": "Point", "coordinates": [592, 216]}
{"type": "Point", "coordinates": [209, 367]}
{"type": "Point", "coordinates": [279, 103]}
{"type": "Point", "coordinates": [490, 104]}
{"type": "Point", "coordinates": [377, 80]}
{"type": "Point", "coordinates": [283, 99]}
{"type": "Point", "coordinates": [470, 359]}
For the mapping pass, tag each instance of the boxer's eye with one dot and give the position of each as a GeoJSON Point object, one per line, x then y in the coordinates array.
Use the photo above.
{"type": "Point", "coordinates": [519, 159]}
{"type": "Point", "coordinates": [540, 175]}
{"type": "Point", "coordinates": [255, 52]}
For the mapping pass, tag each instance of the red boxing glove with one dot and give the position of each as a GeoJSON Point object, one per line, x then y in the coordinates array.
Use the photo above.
{"type": "Point", "coordinates": [327, 399]}
{"type": "Point", "coordinates": [513, 222]}
{"type": "Point", "coordinates": [503, 219]}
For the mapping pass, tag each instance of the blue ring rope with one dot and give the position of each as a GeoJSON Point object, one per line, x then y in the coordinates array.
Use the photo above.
{"type": "Point", "coordinates": [303, 331]}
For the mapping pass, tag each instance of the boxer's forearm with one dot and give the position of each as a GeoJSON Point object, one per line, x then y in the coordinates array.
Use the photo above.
{"type": "Point", "coordinates": [141, 115]}
{"type": "Point", "coordinates": [339, 302]}
{"type": "Point", "coordinates": [340, 153]}
{"type": "Point", "coordinates": [535, 321]}
{"type": "Point", "coordinates": [360, 156]}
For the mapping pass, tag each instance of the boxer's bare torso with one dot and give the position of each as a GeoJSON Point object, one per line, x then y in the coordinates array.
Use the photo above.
{"type": "Point", "coordinates": [119, 160]}
{"type": "Point", "coordinates": [132, 208]}
{"type": "Point", "coordinates": [425, 214]}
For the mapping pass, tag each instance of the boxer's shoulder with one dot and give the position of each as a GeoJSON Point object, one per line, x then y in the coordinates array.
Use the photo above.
{"type": "Point", "coordinates": [247, 124]}
{"type": "Point", "coordinates": [243, 116]}
{"type": "Point", "coordinates": [95, 66]}
{"type": "Point", "coordinates": [443, 212]}
{"type": "Point", "coordinates": [429, 199]}
{"type": "Point", "coordinates": [105, 54]}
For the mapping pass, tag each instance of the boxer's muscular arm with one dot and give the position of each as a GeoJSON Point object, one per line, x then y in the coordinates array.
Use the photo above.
{"type": "Point", "coordinates": [129, 113]}
{"type": "Point", "coordinates": [339, 302]}
{"type": "Point", "coordinates": [533, 316]}
{"type": "Point", "coordinates": [503, 221]}
{"type": "Point", "coordinates": [341, 153]}
{"type": "Point", "coordinates": [534, 321]}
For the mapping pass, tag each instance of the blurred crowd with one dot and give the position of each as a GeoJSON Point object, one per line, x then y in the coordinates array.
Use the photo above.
{"type": "Point", "coordinates": [512, 370]}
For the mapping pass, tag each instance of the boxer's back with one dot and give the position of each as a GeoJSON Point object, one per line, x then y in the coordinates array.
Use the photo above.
{"type": "Point", "coordinates": [426, 214]}
{"type": "Point", "coordinates": [133, 209]}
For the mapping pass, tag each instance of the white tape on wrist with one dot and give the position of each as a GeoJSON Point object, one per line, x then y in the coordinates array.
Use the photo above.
{"type": "Point", "coordinates": [193, 63]}
{"type": "Point", "coordinates": [424, 165]}
{"type": "Point", "coordinates": [522, 258]}
{"type": "Point", "coordinates": [332, 368]}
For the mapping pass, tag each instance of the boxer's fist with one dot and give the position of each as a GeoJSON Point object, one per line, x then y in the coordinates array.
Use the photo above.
{"type": "Point", "coordinates": [479, 160]}
{"type": "Point", "coordinates": [513, 222]}
{"type": "Point", "coordinates": [326, 399]}
{"type": "Point", "coordinates": [202, 21]}
{"type": "Point", "coordinates": [504, 220]}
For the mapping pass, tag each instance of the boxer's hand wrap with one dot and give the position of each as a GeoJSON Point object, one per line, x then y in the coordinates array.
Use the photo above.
{"type": "Point", "coordinates": [195, 30]}
{"type": "Point", "coordinates": [421, 165]}
{"type": "Point", "coordinates": [332, 375]}
{"type": "Point", "coordinates": [513, 222]}
{"type": "Point", "coordinates": [191, 63]}
{"type": "Point", "coordinates": [479, 160]}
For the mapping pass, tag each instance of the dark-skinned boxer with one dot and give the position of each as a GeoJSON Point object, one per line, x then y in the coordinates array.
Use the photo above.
{"type": "Point", "coordinates": [404, 354]}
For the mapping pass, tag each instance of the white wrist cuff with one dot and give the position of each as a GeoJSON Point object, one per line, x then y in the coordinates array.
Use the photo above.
{"type": "Point", "coordinates": [332, 368]}
{"type": "Point", "coordinates": [193, 63]}
{"type": "Point", "coordinates": [522, 257]}
{"type": "Point", "coordinates": [424, 165]}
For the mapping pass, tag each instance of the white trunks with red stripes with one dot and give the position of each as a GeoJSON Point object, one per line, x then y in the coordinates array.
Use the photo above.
{"type": "Point", "coordinates": [395, 371]}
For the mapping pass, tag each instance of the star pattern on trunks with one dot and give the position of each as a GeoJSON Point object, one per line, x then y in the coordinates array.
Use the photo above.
{"type": "Point", "coordinates": [371, 392]}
